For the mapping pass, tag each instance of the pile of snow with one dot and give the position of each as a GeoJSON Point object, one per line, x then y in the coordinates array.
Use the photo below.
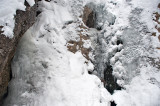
{"type": "Point", "coordinates": [8, 11]}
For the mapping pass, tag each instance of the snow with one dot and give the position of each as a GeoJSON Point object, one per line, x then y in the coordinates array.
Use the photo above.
{"type": "Point", "coordinates": [8, 11]}
{"type": "Point", "coordinates": [31, 2]}
{"type": "Point", "coordinates": [140, 92]}
{"type": "Point", "coordinates": [130, 67]}
{"type": "Point", "coordinates": [90, 66]}
{"type": "Point", "coordinates": [129, 59]}
{"type": "Point", "coordinates": [45, 73]}
{"type": "Point", "coordinates": [149, 8]}
{"type": "Point", "coordinates": [87, 43]}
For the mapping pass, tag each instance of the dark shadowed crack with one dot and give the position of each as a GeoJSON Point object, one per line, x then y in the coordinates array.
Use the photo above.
{"type": "Point", "coordinates": [113, 103]}
{"type": "Point", "coordinates": [89, 17]}
{"type": "Point", "coordinates": [111, 81]}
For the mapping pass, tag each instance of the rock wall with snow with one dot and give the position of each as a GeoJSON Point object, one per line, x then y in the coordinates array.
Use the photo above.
{"type": "Point", "coordinates": [23, 21]}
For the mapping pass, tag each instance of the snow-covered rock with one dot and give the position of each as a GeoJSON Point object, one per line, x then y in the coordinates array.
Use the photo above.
{"type": "Point", "coordinates": [10, 21]}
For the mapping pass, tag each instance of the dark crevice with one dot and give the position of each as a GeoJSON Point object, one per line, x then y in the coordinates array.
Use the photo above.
{"type": "Point", "coordinates": [99, 28]}
{"type": "Point", "coordinates": [119, 42]}
{"type": "Point", "coordinates": [48, 0]}
{"type": "Point", "coordinates": [6, 94]}
{"type": "Point", "coordinates": [10, 73]}
{"type": "Point", "coordinates": [45, 0]}
{"type": "Point", "coordinates": [91, 20]}
{"type": "Point", "coordinates": [4, 97]}
{"type": "Point", "coordinates": [111, 81]}
{"type": "Point", "coordinates": [69, 22]}
{"type": "Point", "coordinates": [37, 13]}
{"type": "Point", "coordinates": [89, 72]}
{"type": "Point", "coordinates": [113, 103]}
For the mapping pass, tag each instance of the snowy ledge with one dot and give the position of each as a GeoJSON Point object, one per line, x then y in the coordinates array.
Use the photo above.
{"type": "Point", "coordinates": [8, 11]}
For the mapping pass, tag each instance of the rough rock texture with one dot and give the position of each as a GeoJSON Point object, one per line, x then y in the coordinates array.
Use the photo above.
{"type": "Point", "coordinates": [89, 17]}
{"type": "Point", "coordinates": [23, 20]}
{"type": "Point", "coordinates": [72, 45]}
{"type": "Point", "coordinates": [157, 20]}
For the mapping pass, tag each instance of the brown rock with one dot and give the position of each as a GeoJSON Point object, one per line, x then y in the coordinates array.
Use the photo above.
{"type": "Point", "coordinates": [157, 16]}
{"type": "Point", "coordinates": [23, 21]}
{"type": "Point", "coordinates": [159, 37]}
{"type": "Point", "coordinates": [88, 17]}
{"type": "Point", "coordinates": [75, 46]}
{"type": "Point", "coordinates": [158, 30]}
{"type": "Point", "coordinates": [154, 34]}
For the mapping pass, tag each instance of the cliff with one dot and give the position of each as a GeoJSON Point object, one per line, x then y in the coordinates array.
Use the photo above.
{"type": "Point", "coordinates": [23, 21]}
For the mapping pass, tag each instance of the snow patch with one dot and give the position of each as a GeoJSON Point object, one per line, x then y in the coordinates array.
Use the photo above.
{"type": "Point", "coordinates": [7, 11]}
{"type": "Point", "coordinates": [31, 2]}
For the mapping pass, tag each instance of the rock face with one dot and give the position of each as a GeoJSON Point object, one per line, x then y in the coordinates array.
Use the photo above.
{"type": "Point", "coordinates": [89, 17]}
{"type": "Point", "coordinates": [23, 21]}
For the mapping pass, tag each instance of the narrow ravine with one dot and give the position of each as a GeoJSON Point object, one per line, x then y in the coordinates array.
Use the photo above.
{"type": "Point", "coordinates": [95, 16]}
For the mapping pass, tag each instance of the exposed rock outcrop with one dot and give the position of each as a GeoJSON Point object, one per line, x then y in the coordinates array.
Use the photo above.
{"type": "Point", "coordinates": [75, 46]}
{"type": "Point", "coordinates": [89, 17]}
{"type": "Point", "coordinates": [23, 21]}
